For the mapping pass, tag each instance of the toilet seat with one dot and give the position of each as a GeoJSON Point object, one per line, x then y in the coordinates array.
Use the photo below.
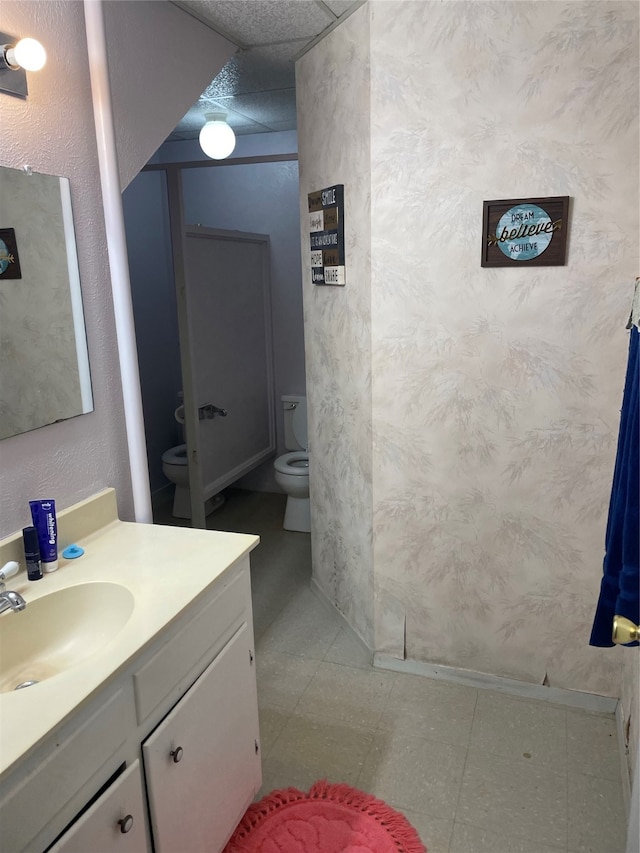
{"type": "Point", "coordinates": [176, 455]}
{"type": "Point", "coordinates": [295, 464]}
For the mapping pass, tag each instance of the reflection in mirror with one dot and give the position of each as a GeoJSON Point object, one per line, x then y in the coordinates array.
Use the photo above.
{"type": "Point", "coordinates": [44, 363]}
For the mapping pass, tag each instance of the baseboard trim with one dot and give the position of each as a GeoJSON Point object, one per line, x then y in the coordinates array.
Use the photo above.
{"type": "Point", "coordinates": [485, 681]}
{"type": "Point", "coordinates": [317, 590]}
{"type": "Point", "coordinates": [499, 683]}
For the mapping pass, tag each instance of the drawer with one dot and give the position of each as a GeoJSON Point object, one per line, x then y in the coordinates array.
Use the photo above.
{"type": "Point", "coordinates": [66, 767]}
{"type": "Point", "coordinates": [205, 634]}
{"type": "Point", "coordinates": [115, 823]}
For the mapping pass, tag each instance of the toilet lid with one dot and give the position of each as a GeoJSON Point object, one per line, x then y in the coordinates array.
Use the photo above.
{"type": "Point", "coordinates": [299, 424]}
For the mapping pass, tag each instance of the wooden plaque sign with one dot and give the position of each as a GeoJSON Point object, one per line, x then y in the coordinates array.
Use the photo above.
{"type": "Point", "coordinates": [525, 232]}
{"type": "Point", "coordinates": [326, 226]}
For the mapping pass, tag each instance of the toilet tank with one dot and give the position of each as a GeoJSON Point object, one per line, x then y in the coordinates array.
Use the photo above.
{"type": "Point", "coordinates": [294, 410]}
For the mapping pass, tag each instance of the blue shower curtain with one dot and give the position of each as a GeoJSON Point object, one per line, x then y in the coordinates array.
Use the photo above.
{"type": "Point", "coordinates": [619, 588]}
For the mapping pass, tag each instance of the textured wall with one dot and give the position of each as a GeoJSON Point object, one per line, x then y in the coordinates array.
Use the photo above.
{"type": "Point", "coordinates": [495, 393]}
{"type": "Point", "coordinates": [333, 95]}
{"type": "Point", "coordinates": [490, 507]}
{"type": "Point", "coordinates": [53, 131]}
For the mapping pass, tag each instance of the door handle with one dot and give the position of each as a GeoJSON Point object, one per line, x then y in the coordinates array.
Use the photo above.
{"type": "Point", "coordinates": [209, 411]}
{"type": "Point", "coordinates": [624, 631]}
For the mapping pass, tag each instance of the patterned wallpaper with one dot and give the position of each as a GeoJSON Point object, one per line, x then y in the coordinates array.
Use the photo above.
{"type": "Point", "coordinates": [333, 140]}
{"type": "Point", "coordinates": [490, 507]}
{"type": "Point", "coordinates": [495, 393]}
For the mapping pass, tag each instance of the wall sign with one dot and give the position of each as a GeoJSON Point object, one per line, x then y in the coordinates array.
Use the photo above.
{"type": "Point", "coordinates": [525, 232]}
{"type": "Point", "coordinates": [9, 260]}
{"type": "Point", "coordinates": [326, 239]}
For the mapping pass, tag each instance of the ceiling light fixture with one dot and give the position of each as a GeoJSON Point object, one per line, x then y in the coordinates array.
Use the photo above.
{"type": "Point", "coordinates": [16, 58]}
{"type": "Point", "coordinates": [217, 139]}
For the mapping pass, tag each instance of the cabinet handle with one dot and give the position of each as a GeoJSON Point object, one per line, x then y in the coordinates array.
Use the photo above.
{"type": "Point", "coordinates": [177, 754]}
{"type": "Point", "coordinates": [126, 823]}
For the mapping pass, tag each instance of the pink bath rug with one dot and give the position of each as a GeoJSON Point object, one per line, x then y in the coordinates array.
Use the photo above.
{"type": "Point", "coordinates": [329, 819]}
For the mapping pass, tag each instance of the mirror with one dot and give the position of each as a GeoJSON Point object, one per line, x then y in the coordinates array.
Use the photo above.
{"type": "Point", "coordinates": [44, 363]}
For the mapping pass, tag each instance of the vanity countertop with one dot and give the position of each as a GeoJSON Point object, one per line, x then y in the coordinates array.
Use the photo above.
{"type": "Point", "coordinates": [164, 568]}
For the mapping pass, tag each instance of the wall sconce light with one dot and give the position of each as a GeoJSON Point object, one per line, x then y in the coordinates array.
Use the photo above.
{"type": "Point", "coordinates": [16, 58]}
{"type": "Point", "coordinates": [217, 140]}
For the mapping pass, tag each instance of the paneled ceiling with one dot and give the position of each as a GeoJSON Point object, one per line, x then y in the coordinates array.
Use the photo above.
{"type": "Point", "coordinates": [256, 88]}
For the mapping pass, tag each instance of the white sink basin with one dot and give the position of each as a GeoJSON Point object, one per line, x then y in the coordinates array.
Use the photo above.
{"type": "Point", "coordinates": [60, 630]}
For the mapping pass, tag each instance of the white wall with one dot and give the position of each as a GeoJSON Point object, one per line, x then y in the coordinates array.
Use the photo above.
{"type": "Point", "coordinates": [53, 131]}
{"type": "Point", "coordinates": [494, 393]}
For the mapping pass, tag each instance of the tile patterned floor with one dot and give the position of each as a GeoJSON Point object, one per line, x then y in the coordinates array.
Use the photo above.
{"type": "Point", "coordinates": [474, 771]}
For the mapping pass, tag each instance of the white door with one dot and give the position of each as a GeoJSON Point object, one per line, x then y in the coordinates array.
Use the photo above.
{"type": "Point", "coordinates": [228, 313]}
{"type": "Point", "coordinates": [202, 763]}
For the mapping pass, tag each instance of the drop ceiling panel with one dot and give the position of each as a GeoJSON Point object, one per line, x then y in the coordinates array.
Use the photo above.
{"type": "Point", "coordinates": [262, 21]}
{"type": "Point", "coordinates": [282, 125]}
{"type": "Point", "coordinates": [194, 119]}
{"type": "Point", "coordinates": [256, 70]}
{"type": "Point", "coordinates": [264, 107]}
{"type": "Point", "coordinates": [256, 88]}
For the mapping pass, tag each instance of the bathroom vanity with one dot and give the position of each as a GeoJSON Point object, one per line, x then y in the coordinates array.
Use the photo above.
{"type": "Point", "coordinates": [146, 737]}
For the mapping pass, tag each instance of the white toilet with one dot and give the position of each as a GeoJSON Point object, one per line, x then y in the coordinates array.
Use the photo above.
{"type": "Point", "coordinates": [175, 467]}
{"type": "Point", "coordinates": [292, 469]}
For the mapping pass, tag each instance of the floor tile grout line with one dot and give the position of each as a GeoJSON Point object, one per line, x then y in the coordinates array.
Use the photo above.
{"type": "Point", "coordinates": [429, 738]}
{"type": "Point", "coordinates": [473, 717]}
{"type": "Point", "coordinates": [272, 747]}
{"type": "Point", "coordinates": [337, 634]}
{"type": "Point", "coordinates": [364, 761]}
{"type": "Point", "coordinates": [464, 767]}
{"type": "Point", "coordinates": [384, 704]}
{"type": "Point", "coordinates": [566, 750]}
{"type": "Point", "coordinates": [372, 726]}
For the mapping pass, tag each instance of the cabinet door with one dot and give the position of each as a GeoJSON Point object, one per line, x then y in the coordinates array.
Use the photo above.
{"type": "Point", "coordinates": [202, 763]}
{"type": "Point", "coordinates": [115, 823]}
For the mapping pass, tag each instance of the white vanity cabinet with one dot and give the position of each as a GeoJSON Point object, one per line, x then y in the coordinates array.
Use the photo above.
{"type": "Point", "coordinates": [201, 760]}
{"type": "Point", "coordinates": [177, 733]}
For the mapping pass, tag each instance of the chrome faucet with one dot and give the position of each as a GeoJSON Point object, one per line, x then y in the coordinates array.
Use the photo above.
{"type": "Point", "coordinates": [10, 600]}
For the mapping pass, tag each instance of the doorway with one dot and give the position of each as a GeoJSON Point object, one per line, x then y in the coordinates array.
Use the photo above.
{"type": "Point", "coordinates": [258, 194]}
